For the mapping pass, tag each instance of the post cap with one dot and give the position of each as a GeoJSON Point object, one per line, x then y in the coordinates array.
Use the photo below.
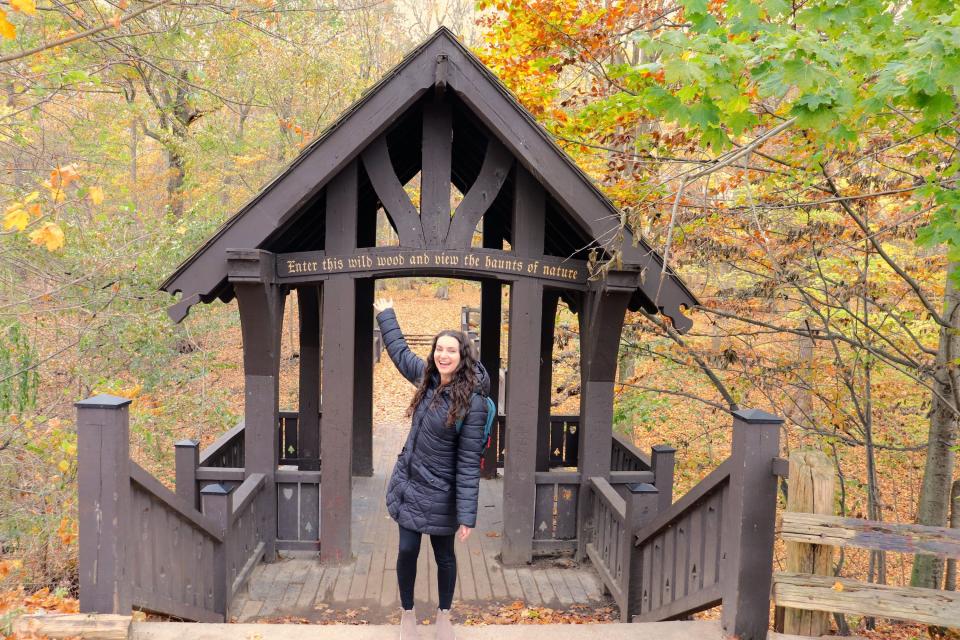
{"type": "Point", "coordinates": [103, 401]}
{"type": "Point", "coordinates": [757, 416]}
{"type": "Point", "coordinates": [215, 489]}
{"type": "Point", "coordinates": [186, 443]}
{"type": "Point", "coordinates": [663, 448]}
{"type": "Point", "coordinates": [642, 487]}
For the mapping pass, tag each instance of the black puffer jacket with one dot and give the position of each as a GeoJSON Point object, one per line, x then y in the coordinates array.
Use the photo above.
{"type": "Point", "coordinates": [436, 481]}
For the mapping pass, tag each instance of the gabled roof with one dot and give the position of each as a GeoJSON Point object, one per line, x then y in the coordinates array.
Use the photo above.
{"type": "Point", "coordinates": [203, 276]}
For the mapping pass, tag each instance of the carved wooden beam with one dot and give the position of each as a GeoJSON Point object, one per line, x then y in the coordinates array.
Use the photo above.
{"type": "Point", "coordinates": [396, 202]}
{"type": "Point", "coordinates": [496, 166]}
{"type": "Point", "coordinates": [436, 163]}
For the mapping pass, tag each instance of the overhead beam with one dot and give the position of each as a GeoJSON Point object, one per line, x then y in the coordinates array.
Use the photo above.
{"type": "Point", "coordinates": [435, 166]}
{"type": "Point", "coordinates": [393, 197]}
{"type": "Point", "coordinates": [493, 173]}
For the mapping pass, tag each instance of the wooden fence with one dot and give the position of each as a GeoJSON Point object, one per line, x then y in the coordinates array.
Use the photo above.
{"type": "Point", "coordinates": [142, 545]}
{"type": "Point", "coordinates": [842, 595]}
{"type": "Point", "coordinates": [714, 546]}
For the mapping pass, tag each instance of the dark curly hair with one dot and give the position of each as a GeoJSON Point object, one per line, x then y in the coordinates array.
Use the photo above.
{"type": "Point", "coordinates": [464, 378]}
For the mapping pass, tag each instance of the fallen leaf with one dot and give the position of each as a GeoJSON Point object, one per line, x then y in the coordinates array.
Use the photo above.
{"type": "Point", "coordinates": [50, 235]}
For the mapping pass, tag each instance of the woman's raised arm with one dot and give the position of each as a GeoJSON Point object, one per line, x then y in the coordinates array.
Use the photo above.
{"type": "Point", "coordinates": [407, 362]}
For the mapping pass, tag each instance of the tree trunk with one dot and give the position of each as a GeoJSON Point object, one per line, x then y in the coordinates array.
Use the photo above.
{"type": "Point", "coordinates": [938, 474]}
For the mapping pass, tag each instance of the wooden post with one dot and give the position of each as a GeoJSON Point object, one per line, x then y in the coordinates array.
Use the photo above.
{"type": "Point", "coordinates": [363, 381]}
{"type": "Point", "coordinates": [308, 300]}
{"type": "Point", "coordinates": [642, 502]}
{"type": "Point", "coordinates": [812, 486]}
{"type": "Point", "coordinates": [526, 312]}
{"type": "Point", "coordinates": [215, 501]}
{"type": "Point", "coordinates": [550, 300]}
{"type": "Point", "coordinates": [601, 320]}
{"type": "Point", "coordinates": [490, 310]}
{"type": "Point", "coordinates": [339, 362]}
{"type": "Point", "coordinates": [951, 580]}
{"type": "Point", "coordinates": [103, 476]}
{"type": "Point", "coordinates": [663, 460]}
{"type": "Point", "coordinates": [261, 301]}
{"type": "Point", "coordinates": [187, 460]}
{"type": "Point", "coordinates": [519, 488]}
{"type": "Point", "coordinates": [749, 518]}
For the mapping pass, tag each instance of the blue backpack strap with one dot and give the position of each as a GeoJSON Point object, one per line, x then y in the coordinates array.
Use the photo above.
{"type": "Point", "coordinates": [491, 415]}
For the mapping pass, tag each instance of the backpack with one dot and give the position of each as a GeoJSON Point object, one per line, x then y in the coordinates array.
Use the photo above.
{"type": "Point", "coordinates": [487, 429]}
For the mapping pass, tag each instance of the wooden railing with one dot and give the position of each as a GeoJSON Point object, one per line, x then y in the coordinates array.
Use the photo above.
{"type": "Point", "coordinates": [564, 441]}
{"type": "Point", "coordinates": [142, 545]}
{"type": "Point", "coordinates": [713, 546]}
{"type": "Point", "coordinates": [625, 456]}
{"type": "Point", "coordinates": [821, 593]}
{"type": "Point", "coordinates": [171, 553]}
{"type": "Point", "coordinates": [241, 516]}
{"type": "Point", "coordinates": [615, 519]}
{"type": "Point", "coordinates": [298, 510]}
{"type": "Point", "coordinates": [225, 451]}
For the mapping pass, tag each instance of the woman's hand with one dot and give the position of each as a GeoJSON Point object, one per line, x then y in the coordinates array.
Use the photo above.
{"type": "Point", "coordinates": [464, 532]}
{"type": "Point", "coordinates": [382, 304]}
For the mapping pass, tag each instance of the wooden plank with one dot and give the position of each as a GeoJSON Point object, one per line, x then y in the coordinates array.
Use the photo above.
{"type": "Point", "coordinates": [72, 625]}
{"type": "Point", "coordinates": [363, 380]}
{"type": "Point", "coordinates": [838, 531]}
{"type": "Point", "coordinates": [819, 593]}
{"type": "Point", "coordinates": [513, 583]}
{"type": "Point", "coordinates": [342, 588]}
{"type": "Point", "coordinates": [700, 601]}
{"type": "Point", "coordinates": [543, 525]}
{"type": "Point", "coordinates": [574, 586]}
{"type": "Point", "coordinates": [220, 444]}
{"type": "Point", "coordinates": [169, 499]}
{"type": "Point", "coordinates": [249, 610]}
{"type": "Point", "coordinates": [361, 574]}
{"type": "Point", "coordinates": [435, 167]}
{"type": "Point", "coordinates": [465, 577]}
{"type": "Point", "coordinates": [697, 550]}
{"type": "Point", "coordinates": [712, 523]}
{"type": "Point", "coordinates": [547, 594]}
{"type": "Point", "coordinates": [682, 567]}
{"type": "Point", "coordinates": [480, 577]}
{"type": "Point", "coordinates": [519, 490]}
{"type": "Point", "coordinates": [309, 511]}
{"type": "Point", "coordinates": [220, 474]}
{"type": "Point", "coordinates": [390, 594]}
{"type": "Point", "coordinates": [288, 508]}
{"type": "Point", "coordinates": [531, 592]}
{"type": "Point", "coordinates": [421, 588]}
{"type": "Point", "coordinates": [559, 586]}
{"type": "Point", "coordinates": [669, 564]}
{"type": "Point", "coordinates": [308, 300]}
{"type": "Point", "coordinates": [567, 500]}
{"type": "Point", "coordinates": [310, 586]}
{"type": "Point", "coordinates": [327, 582]}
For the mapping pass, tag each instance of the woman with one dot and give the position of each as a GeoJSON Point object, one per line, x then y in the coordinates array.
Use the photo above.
{"type": "Point", "coordinates": [435, 483]}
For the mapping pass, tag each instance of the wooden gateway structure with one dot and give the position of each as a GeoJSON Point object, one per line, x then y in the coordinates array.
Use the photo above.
{"type": "Point", "coordinates": [529, 220]}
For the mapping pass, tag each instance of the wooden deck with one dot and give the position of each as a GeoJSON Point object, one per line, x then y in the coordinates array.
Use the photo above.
{"type": "Point", "coordinates": [302, 587]}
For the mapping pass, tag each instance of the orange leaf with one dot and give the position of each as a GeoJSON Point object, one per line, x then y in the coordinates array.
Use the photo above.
{"type": "Point", "coordinates": [7, 30]}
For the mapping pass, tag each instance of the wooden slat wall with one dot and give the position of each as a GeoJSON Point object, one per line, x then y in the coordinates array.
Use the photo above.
{"type": "Point", "coordinates": [172, 560]}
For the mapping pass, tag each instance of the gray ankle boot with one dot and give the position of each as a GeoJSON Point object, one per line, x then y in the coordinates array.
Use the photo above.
{"type": "Point", "coordinates": [444, 625]}
{"type": "Point", "coordinates": [408, 625]}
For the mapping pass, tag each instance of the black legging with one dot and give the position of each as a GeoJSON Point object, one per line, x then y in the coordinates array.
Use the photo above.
{"type": "Point", "coordinates": [407, 566]}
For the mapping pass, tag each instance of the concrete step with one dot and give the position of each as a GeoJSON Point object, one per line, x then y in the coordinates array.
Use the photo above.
{"type": "Point", "coordinates": [695, 630]}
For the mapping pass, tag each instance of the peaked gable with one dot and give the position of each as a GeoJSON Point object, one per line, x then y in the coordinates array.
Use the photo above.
{"type": "Point", "coordinates": [441, 63]}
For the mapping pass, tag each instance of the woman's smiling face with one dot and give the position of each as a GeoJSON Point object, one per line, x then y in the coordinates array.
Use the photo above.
{"type": "Point", "coordinates": [446, 355]}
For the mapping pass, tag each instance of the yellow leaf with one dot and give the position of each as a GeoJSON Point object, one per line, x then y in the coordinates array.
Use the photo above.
{"type": "Point", "coordinates": [181, 230]}
{"type": "Point", "coordinates": [837, 586]}
{"type": "Point", "coordinates": [30, 198]}
{"type": "Point", "coordinates": [28, 7]}
{"type": "Point", "coordinates": [96, 195]}
{"type": "Point", "coordinates": [64, 466]}
{"type": "Point", "coordinates": [16, 219]}
{"type": "Point", "coordinates": [49, 235]}
{"type": "Point", "coordinates": [7, 30]}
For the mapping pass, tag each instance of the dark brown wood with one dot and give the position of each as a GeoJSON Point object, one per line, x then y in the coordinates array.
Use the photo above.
{"type": "Point", "coordinates": [395, 201]}
{"type": "Point", "coordinates": [308, 299]}
{"type": "Point", "coordinates": [493, 173]}
{"type": "Point", "coordinates": [226, 450]}
{"type": "Point", "coordinates": [436, 163]}
{"type": "Point", "coordinates": [261, 303]}
{"type": "Point", "coordinates": [748, 530]}
{"type": "Point", "coordinates": [316, 266]}
{"type": "Point", "coordinates": [103, 478]}
{"type": "Point", "coordinates": [490, 321]}
{"type": "Point", "coordinates": [363, 381]}
{"type": "Point", "coordinates": [216, 506]}
{"type": "Point", "coordinates": [220, 474]}
{"type": "Point", "coordinates": [339, 338]}
{"type": "Point", "coordinates": [663, 459]}
{"type": "Point", "coordinates": [601, 321]}
{"type": "Point", "coordinates": [549, 320]}
{"type": "Point", "coordinates": [187, 459]}
{"type": "Point", "coordinates": [521, 437]}
{"type": "Point", "coordinates": [529, 215]}
{"type": "Point", "coordinates": [625, 456]}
